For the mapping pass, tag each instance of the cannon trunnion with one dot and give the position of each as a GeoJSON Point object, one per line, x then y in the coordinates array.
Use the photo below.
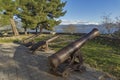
{"type": "Point", "coordinates": [69, 58]}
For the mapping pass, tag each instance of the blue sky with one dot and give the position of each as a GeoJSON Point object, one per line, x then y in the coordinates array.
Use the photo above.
{"type": "Point", "coordinates": [91, 10]}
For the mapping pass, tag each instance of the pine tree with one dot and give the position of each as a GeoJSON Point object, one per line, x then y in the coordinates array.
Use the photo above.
{"type": "Point", "coordinates": [43, 13]}
{"type": "Point", "coordinates": [8, 10]}
{"type": "Point", "coordinates": [53, 10]}
{"type": "Point", "coordinates": [27, 15]}
{"type": "Point", "coordinates": [35, 13]}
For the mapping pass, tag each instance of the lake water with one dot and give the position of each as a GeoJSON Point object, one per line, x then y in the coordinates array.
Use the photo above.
{"type": "Point", "coordinates": [84, 29]}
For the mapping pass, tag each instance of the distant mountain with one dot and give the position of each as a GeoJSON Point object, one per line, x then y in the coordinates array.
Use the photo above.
{"type": "Point", "coordinates": [67, 22]}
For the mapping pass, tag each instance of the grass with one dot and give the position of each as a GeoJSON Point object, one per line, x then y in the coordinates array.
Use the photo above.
{"type": "Point", "coordinates": [13, 38]}
{"type": "Point", "coordinates": [100, 56]}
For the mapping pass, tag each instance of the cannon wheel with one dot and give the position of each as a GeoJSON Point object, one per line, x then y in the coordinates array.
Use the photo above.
{"type": "Point", "coordinates": [66, 72]}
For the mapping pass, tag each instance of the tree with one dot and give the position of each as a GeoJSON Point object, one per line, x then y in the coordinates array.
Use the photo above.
{"type": "Point", "coordinates": [70, 28]}
{"type": "Point", "coordinates": [34, 13]}
{"type": "Point", "coordinates": [118, 22]}
{"type": "Point", "coordinates": [107, 22]}
{"type": "Point", "coordinates": [117, 33]}
{"type": "Point", "coordinates": [54, 11]}
{"type": "Point", "coordinates": [41, 13]}
{"type": "Point", "coordinates": [8, 10]}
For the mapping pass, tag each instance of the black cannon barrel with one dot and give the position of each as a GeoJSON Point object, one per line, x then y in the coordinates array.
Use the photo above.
{"type": "Point", "coordinates": [63, 54]}
{"type": "Point", "coordinates": [41, 43]}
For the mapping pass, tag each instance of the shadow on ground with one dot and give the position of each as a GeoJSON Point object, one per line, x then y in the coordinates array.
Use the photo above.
{"type": "Point", "coordinates": [17, 63]}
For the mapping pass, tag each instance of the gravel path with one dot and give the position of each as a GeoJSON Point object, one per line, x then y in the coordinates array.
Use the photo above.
{"type": "Point", "coordinates": [17, 63]}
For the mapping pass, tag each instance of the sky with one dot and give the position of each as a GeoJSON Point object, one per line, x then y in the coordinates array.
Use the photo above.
{"type": "Point", "coordinates": [90, 10]}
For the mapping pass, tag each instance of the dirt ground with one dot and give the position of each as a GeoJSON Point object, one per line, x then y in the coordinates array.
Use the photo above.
{"type": "Point", "coordinates": [17, 63]}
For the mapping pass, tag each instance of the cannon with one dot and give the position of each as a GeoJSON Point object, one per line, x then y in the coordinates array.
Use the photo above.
{"type": "Point", "coordinates": [42, 45]}
{"type": "Point", "coordinates": [29, 44]}
{"type": "Point", "coordinates": [69, 58]}
{"type": "Point", "coordinates": [30, 39]}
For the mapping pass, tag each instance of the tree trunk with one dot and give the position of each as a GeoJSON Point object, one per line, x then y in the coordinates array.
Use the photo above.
{"type": "Point", "coordinates": [25, 31]}
{"type": "Point", "coordinates": [14, 29]}
{"type": "Point", "coordinates": [41, 29]}
{"type": "Point", "coordinates": [36, 30]}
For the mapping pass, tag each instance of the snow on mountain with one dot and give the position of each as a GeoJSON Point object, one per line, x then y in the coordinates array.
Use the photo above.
{"type": "Point", "coordinates": [67, 22]}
